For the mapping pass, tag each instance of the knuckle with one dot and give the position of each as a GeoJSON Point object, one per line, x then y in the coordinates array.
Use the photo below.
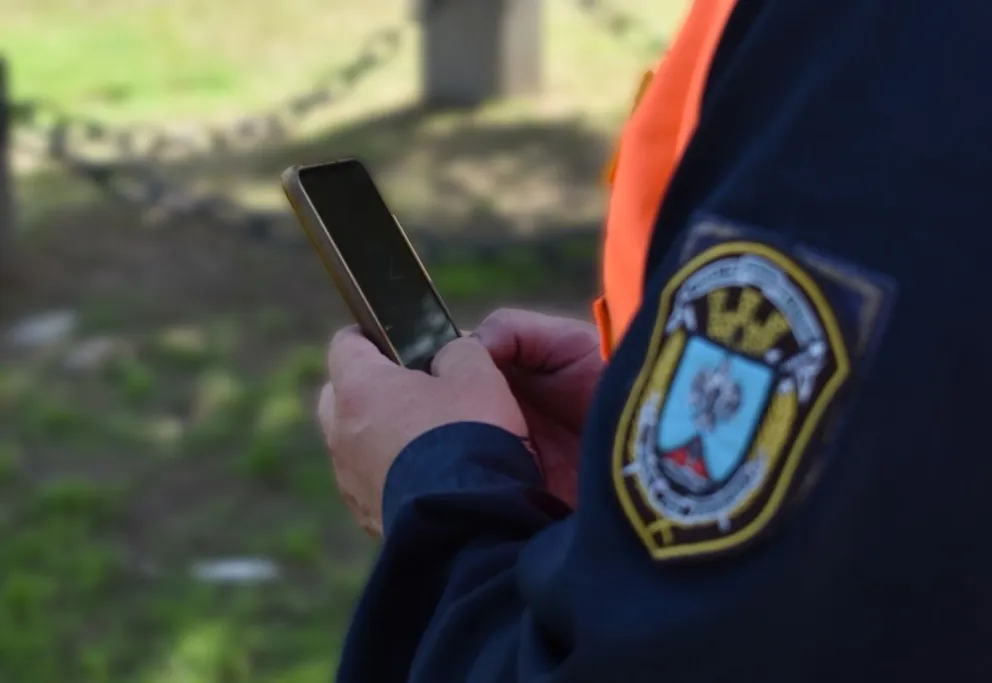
{"type": "Point", "coordinates": [343, 336]}
{"type": "Point", "coordinates": [501, 316]}
{"type": "Point", "coordinates": [499, 326]}
{"type": "Point", "coordinates": [457, 348]}
{"type": "Point", "coordinates": [337, 339]}
{"type": "Point", "coordinates": [459, 344]}
{"type": "Point", "coordinates": [462, 358]}
{"type": "Point", "coordinates": [349, 399]}
{"type": "Point", "coordinates": [441, 357]}
{"type": "Point", "coordinates": [583, 334]}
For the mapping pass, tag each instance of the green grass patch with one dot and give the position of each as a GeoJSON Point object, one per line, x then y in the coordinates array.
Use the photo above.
{"type": "Point", "coordinates": [11, 462]}
{"type": "Point", "coordinates": [474, 280]}
{"type": "Point", "coordinates": [151, 59]}
{"type": "Point", "coordinates": [96, 583]}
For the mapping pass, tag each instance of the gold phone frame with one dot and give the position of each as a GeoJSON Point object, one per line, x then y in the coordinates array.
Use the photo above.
{"type": "Point", "coordinates": [334, 263]}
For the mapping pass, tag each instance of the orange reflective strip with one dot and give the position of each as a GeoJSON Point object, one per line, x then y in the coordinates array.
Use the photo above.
{"type": "Point", "coordinates": [609, 173]}
{"type": "Point", "coordinates": [601, 315]}
{"type": "Point", "coordinates": [651, 146]}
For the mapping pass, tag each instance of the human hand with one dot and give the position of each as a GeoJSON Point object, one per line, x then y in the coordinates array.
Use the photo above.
{"type": "Point", "coordinates": [552, 365]}
{"type": "Point", "coordinates": [371, 408]}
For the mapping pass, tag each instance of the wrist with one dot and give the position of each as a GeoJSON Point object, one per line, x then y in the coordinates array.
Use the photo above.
{"type": "Point", "coordinates": [459, 457]}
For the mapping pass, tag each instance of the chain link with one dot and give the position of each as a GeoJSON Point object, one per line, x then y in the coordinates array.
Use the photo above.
{"type": "Point", "coordinates": [133, 178]}
{"type": "Point", "coordinates": [568, 254]}
{"type": "Point", "coordinates": [46, 121]}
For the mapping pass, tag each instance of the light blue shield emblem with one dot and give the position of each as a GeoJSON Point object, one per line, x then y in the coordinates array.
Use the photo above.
{"type": "Point", "coordinates": [712, 410]}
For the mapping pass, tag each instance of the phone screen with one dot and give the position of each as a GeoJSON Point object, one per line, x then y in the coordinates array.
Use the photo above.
{"type": "Point", "coordinates": [380, 259]}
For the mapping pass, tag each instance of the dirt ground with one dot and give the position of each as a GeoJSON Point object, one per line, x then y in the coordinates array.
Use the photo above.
{"type": "Point", "coordinates": [167, 423]}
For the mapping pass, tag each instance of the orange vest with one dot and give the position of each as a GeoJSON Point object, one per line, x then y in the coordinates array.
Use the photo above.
{"type": "Point", "coordinates": [664, 118]}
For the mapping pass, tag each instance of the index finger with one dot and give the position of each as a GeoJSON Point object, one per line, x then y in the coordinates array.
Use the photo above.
{"type": "Point", "coordinates": [351, 351]}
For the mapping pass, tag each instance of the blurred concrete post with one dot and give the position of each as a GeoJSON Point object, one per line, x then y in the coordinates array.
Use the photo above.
{"type": "Point", "coordinates": [477, 50]}
{"type": "Point", "coordinates": [7, 213]}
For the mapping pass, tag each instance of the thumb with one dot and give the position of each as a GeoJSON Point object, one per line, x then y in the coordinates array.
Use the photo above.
{"type": "Point", "coordinates": [534, 341]}
{"type": "Point", "coordinates": [462, 357]}
{"type": "Point", "coordinates": [508, 335]}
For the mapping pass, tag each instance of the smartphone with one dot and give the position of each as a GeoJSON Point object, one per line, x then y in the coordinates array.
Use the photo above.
{"type": "Point", "coordinates": [371, 260]}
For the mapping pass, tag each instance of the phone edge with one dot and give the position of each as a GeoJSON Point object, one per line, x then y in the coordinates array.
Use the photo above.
{"type": "Point", "coordinates": [427, 276]}
{"type": "Point", "coordinates": [330, 256]}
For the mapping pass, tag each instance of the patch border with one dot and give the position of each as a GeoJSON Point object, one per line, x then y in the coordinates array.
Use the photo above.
{"type": "Point", "coordinates": [799, 447]}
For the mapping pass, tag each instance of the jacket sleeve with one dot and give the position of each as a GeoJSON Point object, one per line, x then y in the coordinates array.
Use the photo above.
{"type": "Point", "coordinates": [442, 603]}
{"type": "Point", "coordinates": [825, 129]}
{"type": "Point", "coordinates": [484, 577]}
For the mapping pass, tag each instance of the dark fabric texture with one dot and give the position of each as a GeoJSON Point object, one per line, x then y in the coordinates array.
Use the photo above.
{"type": "Point", "coordinates": [860, 128]}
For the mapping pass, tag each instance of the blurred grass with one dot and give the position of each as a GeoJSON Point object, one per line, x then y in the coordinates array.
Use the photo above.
{"type": "Point", "coordinates": [115, 480]}
{"type": "Point", "coordinates": [162, 59]}
{"type": "Point", "coordinates": [192, 437]}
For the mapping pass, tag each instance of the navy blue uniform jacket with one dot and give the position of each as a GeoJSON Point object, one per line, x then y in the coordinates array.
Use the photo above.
{"type": "Point", "coordinates": [852, 137]}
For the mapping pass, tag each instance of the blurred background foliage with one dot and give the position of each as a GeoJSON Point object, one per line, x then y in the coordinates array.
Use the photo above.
{"type": "Point", "coordinates": [166, 510]}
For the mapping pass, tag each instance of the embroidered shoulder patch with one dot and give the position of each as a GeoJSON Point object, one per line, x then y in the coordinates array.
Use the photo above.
{"type": "Point", "coordinates": [746, 362]}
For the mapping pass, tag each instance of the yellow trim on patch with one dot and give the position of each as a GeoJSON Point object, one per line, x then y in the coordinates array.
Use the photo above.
{"type": "Point", "coordinates": [802, 440]}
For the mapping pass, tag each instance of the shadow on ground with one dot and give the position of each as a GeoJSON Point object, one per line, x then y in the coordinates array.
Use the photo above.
{"type": "Point", "coordinates": [487, 185]}
{"type": "Point", "coordinates": [454, 172]}
{"type": "Point", "coordinates": [167, 421]}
